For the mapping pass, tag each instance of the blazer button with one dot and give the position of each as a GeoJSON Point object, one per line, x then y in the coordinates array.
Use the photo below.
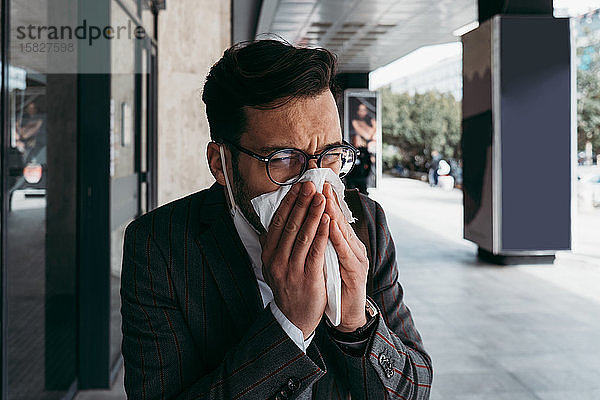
{"type": "Point", "coordinates": [386, 365]}
{"type": "Point", "coordinates": [292, 385]}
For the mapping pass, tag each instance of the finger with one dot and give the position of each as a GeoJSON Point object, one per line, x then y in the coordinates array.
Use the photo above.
{"type": "Point", "coordinates": [295, 220]}
{"type": "Point", "coordinates": [316, 255]}
{"type": "Point", "coordinates": [333, 209]}
{"type": "Point", "coordinates": [342, 248]}
{"type": "Point", "coordinates": [332, 193]}
{"type": "Point", "coordinates": [357, 246]}
{"type": "Point", "coordinates": [271, 238]}
{"type": "Point", "coordinates": [306, 235]}
{"type": "Point", "coordinates": [353, 273]}
{"type": "Point", "coordinates": [335, 212]}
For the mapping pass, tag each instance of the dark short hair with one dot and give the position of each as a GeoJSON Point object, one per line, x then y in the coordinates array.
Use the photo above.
{"type": "Point", "coordinates": [262, 74]}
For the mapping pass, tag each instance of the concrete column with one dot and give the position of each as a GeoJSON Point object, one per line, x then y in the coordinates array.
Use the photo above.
{"type": "Point", "coordinates": [193, 36]}
{"type": "Point", "coordinates": [517, 136]}
{"type": "Point", "coordinates": [244, 17]}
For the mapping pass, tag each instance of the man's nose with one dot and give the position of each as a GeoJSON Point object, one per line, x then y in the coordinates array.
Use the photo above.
{"type": "Point", "coordinates": [312, 164]}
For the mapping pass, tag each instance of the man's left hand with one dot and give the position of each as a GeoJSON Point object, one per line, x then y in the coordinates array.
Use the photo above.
{"type": "Point", "coordinates": [354, 265]}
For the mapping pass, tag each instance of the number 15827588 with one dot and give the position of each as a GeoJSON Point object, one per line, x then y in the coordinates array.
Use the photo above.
{"type": "Point", "coordinates": [47, 47]}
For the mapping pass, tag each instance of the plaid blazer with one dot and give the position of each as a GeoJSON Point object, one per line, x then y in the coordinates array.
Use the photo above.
{"type": "Point", "coordinates": [194, 326]}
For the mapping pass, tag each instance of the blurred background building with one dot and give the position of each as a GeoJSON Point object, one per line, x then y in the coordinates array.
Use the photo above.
{"type": "Point", "coordinates": [102, 121]}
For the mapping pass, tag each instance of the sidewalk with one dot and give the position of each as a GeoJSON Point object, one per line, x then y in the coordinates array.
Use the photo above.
{"type": "Point", "coordinates": [525, 332]}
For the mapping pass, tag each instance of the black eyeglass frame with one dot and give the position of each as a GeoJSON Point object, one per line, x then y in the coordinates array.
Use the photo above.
{"type": "Point", "coordinates": [307, 158]}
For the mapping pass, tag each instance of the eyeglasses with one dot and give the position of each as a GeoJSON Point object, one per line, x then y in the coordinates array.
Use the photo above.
{"type": "Point", "coordinates": [286, 166]}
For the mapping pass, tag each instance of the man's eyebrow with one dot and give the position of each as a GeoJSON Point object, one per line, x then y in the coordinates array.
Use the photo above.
{"type": "Point", "coordinates": [270, 149]}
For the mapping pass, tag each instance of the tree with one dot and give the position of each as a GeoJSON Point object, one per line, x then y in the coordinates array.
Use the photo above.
{"type": "Point", "coordinates": [588, 91]}
{"type": "Point", "coordinates": [419, 124]}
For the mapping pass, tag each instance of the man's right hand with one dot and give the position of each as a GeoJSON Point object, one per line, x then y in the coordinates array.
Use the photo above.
{"type": "Point", "coordinates": [293, 254]}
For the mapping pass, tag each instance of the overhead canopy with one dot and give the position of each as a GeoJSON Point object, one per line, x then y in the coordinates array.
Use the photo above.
{"type": "Point", "coordinates": [366, 34]}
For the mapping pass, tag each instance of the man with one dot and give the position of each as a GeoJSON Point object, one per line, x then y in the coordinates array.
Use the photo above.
{"type": "Point", "coordinates": [216, 306]}
{"type": "Point", "coordinates": [433, 165]}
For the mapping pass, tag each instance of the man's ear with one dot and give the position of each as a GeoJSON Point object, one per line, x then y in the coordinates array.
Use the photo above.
{"type": "Point", "coordinates": [214, 162]}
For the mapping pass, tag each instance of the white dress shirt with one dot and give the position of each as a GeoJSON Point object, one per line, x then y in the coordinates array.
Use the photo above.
{"type": "Point", "coordinates": [249, 237]}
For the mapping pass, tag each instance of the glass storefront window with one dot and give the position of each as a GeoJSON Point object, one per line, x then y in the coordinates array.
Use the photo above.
{"type": "Point", "coordinates": [47, 155]}
{"type": "Point", "coordinates": [40, 259]}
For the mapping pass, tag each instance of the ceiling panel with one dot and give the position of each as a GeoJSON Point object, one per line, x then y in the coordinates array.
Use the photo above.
{"type": "Point", "coordinates": [366, 34]}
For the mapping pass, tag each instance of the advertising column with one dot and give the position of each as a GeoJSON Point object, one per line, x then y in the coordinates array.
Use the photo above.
{"type": "Point", "coordinates": [362, 129]}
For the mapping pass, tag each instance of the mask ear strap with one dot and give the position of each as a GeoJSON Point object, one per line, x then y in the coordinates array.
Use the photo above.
{"type": "Point", "coordinates": [229, 192]}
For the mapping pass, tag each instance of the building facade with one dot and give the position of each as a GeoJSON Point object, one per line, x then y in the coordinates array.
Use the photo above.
{"type": "Point", "coordinates": [94, 93]}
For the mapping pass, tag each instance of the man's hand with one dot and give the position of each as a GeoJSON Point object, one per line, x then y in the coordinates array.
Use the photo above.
{"type": "Point", "coordinates": [293, 255]}
{"type": "Point", "coordinates": [354, 265]}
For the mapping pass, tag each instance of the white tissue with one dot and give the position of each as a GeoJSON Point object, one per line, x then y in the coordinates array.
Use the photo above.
{"type": "Point", "coordinates": [265, 206]}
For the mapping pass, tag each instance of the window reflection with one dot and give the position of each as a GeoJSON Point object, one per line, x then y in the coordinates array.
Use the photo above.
{"type": "Point", "coordinates": [40, 263]}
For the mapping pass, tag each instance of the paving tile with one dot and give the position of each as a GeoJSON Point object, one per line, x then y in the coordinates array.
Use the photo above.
{"type": "Point", "coordinates": [498, 396]}
{"type": "Point", "coordinates": [488, 383]}
{"type": "Point", "coordinates": [576, 394]}
{"type": "Point", "coordinates": [559, 378]}
{"type": "Point", "coordinates": [466, 363]}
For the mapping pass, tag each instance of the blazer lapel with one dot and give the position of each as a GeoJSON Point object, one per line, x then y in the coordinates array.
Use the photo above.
{"type": "Point", "coordinates": [227, 258]}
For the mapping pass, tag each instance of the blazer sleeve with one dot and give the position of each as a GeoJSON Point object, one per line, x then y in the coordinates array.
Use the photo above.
{"type": "Point", "coordinates": [395, 364]}
{"type": "Point", "coordinates": [161, 360]}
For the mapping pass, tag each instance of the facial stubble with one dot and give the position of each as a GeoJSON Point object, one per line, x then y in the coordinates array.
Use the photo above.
{"type": "Point", "coordinates": [241, 193]}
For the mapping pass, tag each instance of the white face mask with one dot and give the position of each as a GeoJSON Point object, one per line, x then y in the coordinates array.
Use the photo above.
{"type": "Point", "coordinates": [265, 206]}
